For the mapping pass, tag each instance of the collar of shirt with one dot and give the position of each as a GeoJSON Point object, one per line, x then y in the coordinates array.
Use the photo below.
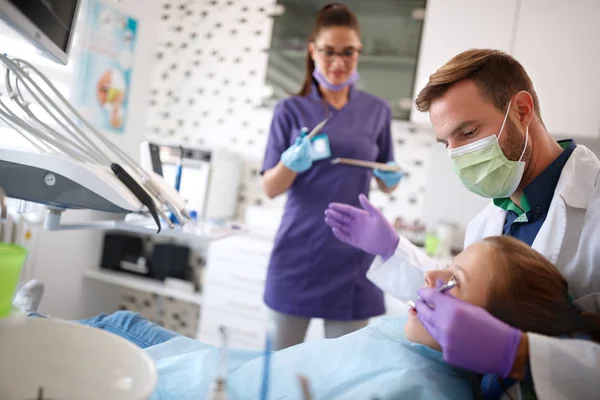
{"type": "Point", "coordinates": [538, 195]}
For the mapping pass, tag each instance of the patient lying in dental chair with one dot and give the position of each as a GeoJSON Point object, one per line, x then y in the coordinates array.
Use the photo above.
{"type": "Point", "coordinates": [393, 358]}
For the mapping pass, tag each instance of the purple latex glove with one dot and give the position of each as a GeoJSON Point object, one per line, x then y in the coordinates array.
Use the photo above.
{"type": "Point", "coordinates": [470, 337]}
{"type": "Point", "coordinates": [366, 229]}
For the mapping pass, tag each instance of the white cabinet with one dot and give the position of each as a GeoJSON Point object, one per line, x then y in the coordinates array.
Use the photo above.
{"type": "Point", "coordinates": [233, 291]}
{"type": "Point", "coordinates": [558, 43]}
{"type": "Point", "coordinates": [454, 26]}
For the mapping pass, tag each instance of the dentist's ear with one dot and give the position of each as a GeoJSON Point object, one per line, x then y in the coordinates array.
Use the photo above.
{"type": "Point", "coordinates": [524, 107]}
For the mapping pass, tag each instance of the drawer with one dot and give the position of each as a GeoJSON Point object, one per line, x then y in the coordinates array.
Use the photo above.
{"type": "Point", "coordinates": [236, 302]}
{"type": "Point", "coordinates": [241, 244]}
{"type": "Point", "coordinates": [238, 277]}
{"type": "Point", "coordinates": [238, 260]}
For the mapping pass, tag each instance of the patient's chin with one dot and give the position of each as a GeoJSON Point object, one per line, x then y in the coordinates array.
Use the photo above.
{"type": "Point", "coordinates": [416, 332]}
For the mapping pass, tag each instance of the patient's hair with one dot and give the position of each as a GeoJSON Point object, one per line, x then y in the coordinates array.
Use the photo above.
{"type": "Point", "coordinates": [531, 294]}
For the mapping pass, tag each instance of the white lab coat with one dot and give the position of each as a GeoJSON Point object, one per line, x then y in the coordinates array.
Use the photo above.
{"type": "Point", "coordinates": [570, 238]}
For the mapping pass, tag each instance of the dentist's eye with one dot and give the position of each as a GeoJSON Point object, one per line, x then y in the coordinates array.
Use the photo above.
{"type": "Point", "coordinates": [470, 134]}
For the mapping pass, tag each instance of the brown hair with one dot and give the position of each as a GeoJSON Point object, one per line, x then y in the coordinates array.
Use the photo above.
{"type": "Point", "coordinates": [497, 75]}
{"type": "Point", "coordinates": [333, 14]}
{"type": "Point", "coordinates": [530, 294]}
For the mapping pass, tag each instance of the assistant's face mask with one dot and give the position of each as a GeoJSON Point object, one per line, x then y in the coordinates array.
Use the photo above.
{"type": "Point", "coordinates": [322, 79]}
{"type": "Point", "coordinates": [484, 169]}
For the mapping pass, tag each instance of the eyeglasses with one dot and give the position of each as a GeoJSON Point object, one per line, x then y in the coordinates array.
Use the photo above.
{"type": "Point", "coordinates": [347, 55]}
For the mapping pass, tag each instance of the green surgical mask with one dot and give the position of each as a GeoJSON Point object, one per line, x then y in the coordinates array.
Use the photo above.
{"type": "Point", "coordinates": [484, 169]}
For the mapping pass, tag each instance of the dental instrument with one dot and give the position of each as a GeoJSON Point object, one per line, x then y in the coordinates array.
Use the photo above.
{"type": "Point", "coordinates": [218, 390]}
{"type": "Point", "coordinates": [73, 170]}
{"type": "Point", "coordinates": [442, 289]}
{"type": "Point", "coordinates": [447, 286]}
{"type": "Point", "coordinates": [366, 164]}
{"type": "Point", "coordinates": [179, 169]}
{"type": "Point", "coordinates": [317, 128]}
{"type": "Point", "coordinates": [264, 390]}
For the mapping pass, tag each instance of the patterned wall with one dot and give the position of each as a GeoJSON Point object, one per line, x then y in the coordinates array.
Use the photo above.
{"type": "Point", "coordinates": [209, 81]}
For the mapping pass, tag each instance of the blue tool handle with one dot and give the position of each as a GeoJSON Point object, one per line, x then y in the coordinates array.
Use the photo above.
{"type": "Point", "coordinates": [178, 177]}
{"type": "Point", "coordinates": [178, 172]}
{"type": "Point", "coordinates": [264, 390]}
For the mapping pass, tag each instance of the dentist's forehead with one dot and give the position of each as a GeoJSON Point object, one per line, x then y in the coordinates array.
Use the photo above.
{"type": "Point", "coordinates": [462, 104]}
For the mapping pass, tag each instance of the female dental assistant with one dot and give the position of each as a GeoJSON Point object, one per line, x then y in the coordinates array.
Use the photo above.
{"type": "Point", "coordinates": [311, 274]}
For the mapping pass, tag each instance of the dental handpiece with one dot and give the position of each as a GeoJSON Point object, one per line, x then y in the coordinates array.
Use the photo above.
{"type": "Point", "coordinates": [218, 389]}
{"type": "Point", "coordinates": [443, 289]}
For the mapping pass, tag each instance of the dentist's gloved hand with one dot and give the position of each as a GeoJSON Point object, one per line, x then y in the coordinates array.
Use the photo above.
{"type": "Point", "coordinates": [389, 178]}
{"type": "Point", "coordinates": [470, 337]}
{"type": "Point", "coordinates": [366, 229]}
{"type": "Point", "coordinates": [297, 157]}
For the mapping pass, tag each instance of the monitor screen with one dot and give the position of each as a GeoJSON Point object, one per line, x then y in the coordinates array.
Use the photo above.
{"type": "Point", "coordinates": [49, 24]}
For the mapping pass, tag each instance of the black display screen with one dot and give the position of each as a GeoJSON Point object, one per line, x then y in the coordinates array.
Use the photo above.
{"type": "Point", "coordinates": [53, 17]}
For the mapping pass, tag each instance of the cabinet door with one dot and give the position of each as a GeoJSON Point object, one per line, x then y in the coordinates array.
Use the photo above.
{"type": "Point", "coordinates": [454, 26]}
{"type": "Point", "coordinates": [558, 43]}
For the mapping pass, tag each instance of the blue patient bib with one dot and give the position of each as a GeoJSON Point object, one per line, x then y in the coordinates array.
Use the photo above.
{"type": "Point", "coordinates": [374, 362]}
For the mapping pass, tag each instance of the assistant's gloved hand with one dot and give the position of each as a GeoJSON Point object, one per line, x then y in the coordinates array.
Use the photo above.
{"type": "Point", "coordinates": [390, 179]}
{"type": "Point", "coordinates": [470, 337]}
{"type": "Point", "coordinates": [366, 229]}
{"type": "Point", "coordinates": [297, 157]}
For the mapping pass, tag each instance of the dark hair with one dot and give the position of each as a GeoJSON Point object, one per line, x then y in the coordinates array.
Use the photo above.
{"type": "Point", "coordinates": [497, 75]}
{"type": "Point", "coordinates": [530, 294]}
{"type": "Point", "coordinates": [333, 14]}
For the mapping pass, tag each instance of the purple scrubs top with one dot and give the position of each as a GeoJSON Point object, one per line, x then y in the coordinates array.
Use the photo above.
{"type": "Point", "coordinates": [311, 273]}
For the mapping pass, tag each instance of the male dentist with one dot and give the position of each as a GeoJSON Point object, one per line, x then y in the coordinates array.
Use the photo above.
{"type": "Point", "coordinates": [483, 107]}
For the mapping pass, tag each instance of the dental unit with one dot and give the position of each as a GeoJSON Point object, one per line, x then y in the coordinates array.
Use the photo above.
{"type": "Point", "coordinates": [76, 167]}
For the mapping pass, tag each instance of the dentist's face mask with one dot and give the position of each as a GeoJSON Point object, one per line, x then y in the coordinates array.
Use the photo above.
{"type": "Point", "coordinates": [484, 169]}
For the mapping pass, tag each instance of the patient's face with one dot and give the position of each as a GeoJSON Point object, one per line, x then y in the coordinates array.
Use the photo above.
{"type": "Point", "coordinates": [472, 271]}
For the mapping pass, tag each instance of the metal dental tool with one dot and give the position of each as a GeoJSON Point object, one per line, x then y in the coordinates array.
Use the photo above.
{"type": "Point", "coordinates": [366, 164]}
{"type": "Point", "coordinates": [317, 129]}
{"type": "Point", "coordinates": [218, 390]}
{"type": "Point", "coordinates": [443, 289]}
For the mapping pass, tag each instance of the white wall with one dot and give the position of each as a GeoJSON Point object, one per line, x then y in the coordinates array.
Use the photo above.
{"type": "Point", "coordinates": [61, 257]}
{"type": "Point", "coordinates": [446, 198]}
